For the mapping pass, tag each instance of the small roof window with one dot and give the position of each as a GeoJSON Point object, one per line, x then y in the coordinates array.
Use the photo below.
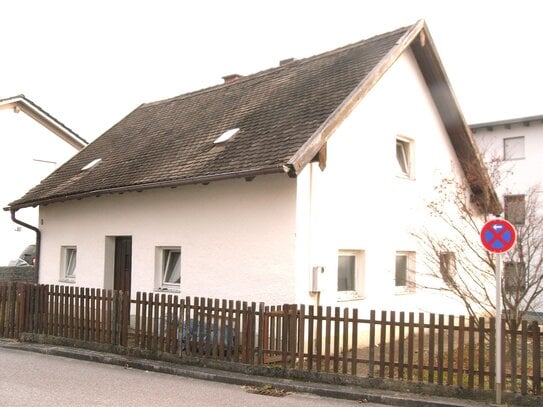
{"type": "Point", "coordinates": [227, 135]}
{"type": "Point", "coordinates": [92, 164]}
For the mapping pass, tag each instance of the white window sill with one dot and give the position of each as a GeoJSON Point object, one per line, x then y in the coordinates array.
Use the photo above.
{"type": "Point", "coordinates": [67, 280]}
{"type": "Point", "coordinates": [168, 290]}
{"type": "Point", "coordinates": [404, 291]}
{"type": "Point", "coordinates": [349, 296]}
{"type": "Point", "coordinates": [405, 177]}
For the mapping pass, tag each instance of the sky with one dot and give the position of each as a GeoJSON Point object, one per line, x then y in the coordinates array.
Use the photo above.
{"type": "Point", "coordinates": [90, 63]}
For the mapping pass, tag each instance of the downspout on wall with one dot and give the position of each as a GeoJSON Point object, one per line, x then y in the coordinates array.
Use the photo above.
{"type": "Point", "coordinates": [38, 241]}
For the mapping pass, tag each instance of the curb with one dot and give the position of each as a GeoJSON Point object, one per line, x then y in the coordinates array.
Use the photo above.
{"type": "Point", "coordinates": [240, 379]}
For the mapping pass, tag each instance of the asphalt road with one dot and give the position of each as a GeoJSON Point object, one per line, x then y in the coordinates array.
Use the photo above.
{"type": "Point", "coordinates": [32, 379]}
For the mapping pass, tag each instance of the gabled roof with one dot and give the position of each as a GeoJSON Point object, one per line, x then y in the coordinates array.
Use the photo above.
{"type": "Point", "coordinates": [284, 115]}
{"type": "Point", "coordinates": [23, 104]}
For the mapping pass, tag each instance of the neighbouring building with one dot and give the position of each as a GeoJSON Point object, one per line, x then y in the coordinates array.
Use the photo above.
{"type": "Point", "coordinates": [298, 184]}
{"type": "Point", "coordinates": [514, 148]}
{"type": "Point", "coordinates": [32, 145]}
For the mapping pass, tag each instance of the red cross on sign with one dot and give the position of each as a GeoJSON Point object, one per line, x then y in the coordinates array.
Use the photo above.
{"type": "Point", "coordinates": [498, 236]}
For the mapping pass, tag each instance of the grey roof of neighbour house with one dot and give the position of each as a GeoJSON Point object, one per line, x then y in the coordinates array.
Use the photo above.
{"type": "Point", "coordinates": [22, 103]}
{"type": "Point", "coordinates": [507, 122]}
{"type": "Point", "coordinates": [284, 115]}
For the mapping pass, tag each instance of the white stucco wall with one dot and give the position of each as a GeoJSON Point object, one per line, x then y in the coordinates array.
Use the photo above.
{"type": "Point", "coordinates": [517, 175]}
{"type": "Point", "coordinates": [28, 153]}
{"type": "Point", "coordinates": [236, 237]}
{"type": "Point", "coordinates": [359, 202]}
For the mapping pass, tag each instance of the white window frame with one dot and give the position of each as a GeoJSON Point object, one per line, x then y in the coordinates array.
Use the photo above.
{"type": "Point", "coordinates": [405, 157]}
{"type": "Point", "coordinates": [510, 152]}
{"type": "Point", "coordinates": [68, 264]}
{"type": "Point", "coordinates": [162, 259]}
{"type": "Point", "coordinates": [410, 272]}
{"type": "Point", "coordinates": [358, 292]}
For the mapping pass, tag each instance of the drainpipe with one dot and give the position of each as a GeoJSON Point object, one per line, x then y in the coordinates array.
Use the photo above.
{"type": "Point", "coordinates": [38, 241]}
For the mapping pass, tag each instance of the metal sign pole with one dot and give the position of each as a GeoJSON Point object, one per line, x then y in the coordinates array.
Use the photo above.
{"type": "Point", "coordinates": [498, 236]}
{"type": "Point", "coordinates": [498, 329]}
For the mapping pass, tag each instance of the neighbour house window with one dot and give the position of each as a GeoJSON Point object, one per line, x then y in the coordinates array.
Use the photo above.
{"type": "Point", "coordinates": [68, 263]}
{"type": "Point", "coordinates": [404, 157]}
{"type": "Point", "coordinates": [350, 274]}
{"type": "Point", "coordinates": [513, 148]}
{"type": "Point", "coordinates": [447, 266]}
{"type": "Point", "coordinates": [515, 209]}
{"type": "Point", "coordinates": [405, 271]}
{"type": "Point", "coordinates": [514, 277]}
{"type": "Point", "coordinates": [169, 268]}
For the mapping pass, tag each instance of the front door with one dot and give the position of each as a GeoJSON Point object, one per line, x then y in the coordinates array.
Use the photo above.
{"type": "Point", "coordinates": [123, 263]}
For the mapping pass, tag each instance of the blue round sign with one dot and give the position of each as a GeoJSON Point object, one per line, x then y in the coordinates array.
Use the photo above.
{"type": "Point", "coordinates": [498, 236]}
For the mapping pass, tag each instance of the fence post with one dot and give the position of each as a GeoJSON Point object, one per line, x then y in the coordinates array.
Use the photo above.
{"type": "Point", "coordinates": [125, 317]}
{"type": "Point", "coordinates": [261, 333]}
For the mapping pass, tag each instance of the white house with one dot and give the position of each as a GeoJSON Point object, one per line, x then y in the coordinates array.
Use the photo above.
{"type": "Point", "coordinates": [297, 184]}
{"type": "Point", "coordinates": [515, 149]}
{"type": "Point", "coordinates": [32, 144]}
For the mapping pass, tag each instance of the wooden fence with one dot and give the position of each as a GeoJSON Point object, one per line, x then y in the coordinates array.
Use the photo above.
{"type": "Point", "coordinates": [429, 348]}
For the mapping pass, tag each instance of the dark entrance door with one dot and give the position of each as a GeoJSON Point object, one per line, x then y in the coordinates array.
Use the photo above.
{"type": "Point", "coordinates": [123, 263]}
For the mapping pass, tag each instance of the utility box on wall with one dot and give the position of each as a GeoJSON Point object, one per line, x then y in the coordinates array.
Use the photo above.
{"type": "Point", "coordinates": [315, 279]}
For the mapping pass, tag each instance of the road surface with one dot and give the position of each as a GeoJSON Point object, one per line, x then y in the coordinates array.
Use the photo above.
{"type": "Point", "coordinates": [33, 379]}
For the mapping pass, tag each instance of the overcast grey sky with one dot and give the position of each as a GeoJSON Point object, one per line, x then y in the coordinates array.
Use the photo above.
{"type": "Point", "coordinates": [91, 63]}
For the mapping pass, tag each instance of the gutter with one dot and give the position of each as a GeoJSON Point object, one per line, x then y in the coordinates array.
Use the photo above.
{"type": "Point", "coordinates": [163, 184]}
{"type": "Point", "coordinates": [38, 241]}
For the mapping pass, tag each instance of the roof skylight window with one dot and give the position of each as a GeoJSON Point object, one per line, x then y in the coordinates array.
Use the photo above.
{"type": "Point", "coordinates": [227, 135]}
{"type": "Point", "coordinates": [92, 164]}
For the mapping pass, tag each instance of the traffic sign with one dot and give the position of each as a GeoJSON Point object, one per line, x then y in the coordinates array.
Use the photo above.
{"type": "Point", "coordinates": [498, 236]}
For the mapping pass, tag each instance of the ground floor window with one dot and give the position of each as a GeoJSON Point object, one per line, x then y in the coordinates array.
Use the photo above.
{"type": "Point", "coordinates": [405, 271]}
{"type": "Point", "coordinates": [169, 268]}
{"type": "Point", "coordinates": [447, 266]}
{"type": "Point", "coordinates": [350, 274]}
{"type": "Point", "coordinates": [514, 277]}
{"type": "Point", "coordinates": [68, 263]}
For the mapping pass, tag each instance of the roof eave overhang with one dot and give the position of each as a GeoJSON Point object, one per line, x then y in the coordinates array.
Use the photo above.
{"type": "Point", "coordinates": [249, 174]}
{"type": "Point", "coordinates": [460, 134]}
{"type": "Point", "coordinates": [43, 118]}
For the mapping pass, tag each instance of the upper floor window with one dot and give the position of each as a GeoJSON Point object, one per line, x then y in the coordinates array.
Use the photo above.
{"type": "Point", "coordinates": [515, 209]}
{"type": "Point", "coordinates": [404, 157]}
{"type": "Point", "coordinates": [513, 148]}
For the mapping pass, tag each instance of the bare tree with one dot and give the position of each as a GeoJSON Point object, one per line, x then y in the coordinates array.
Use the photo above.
{"type": "Point", "coordinates": [457, 263]}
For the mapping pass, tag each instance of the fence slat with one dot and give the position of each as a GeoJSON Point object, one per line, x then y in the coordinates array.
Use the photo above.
{"type": "Point", "coordinates": [536, 358]}
{"type": "Point", "coordinates": [481, 347]}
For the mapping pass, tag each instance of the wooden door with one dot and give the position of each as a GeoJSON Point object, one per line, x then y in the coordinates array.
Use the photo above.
{"type": "Point", "coordinates": [123, 263]}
